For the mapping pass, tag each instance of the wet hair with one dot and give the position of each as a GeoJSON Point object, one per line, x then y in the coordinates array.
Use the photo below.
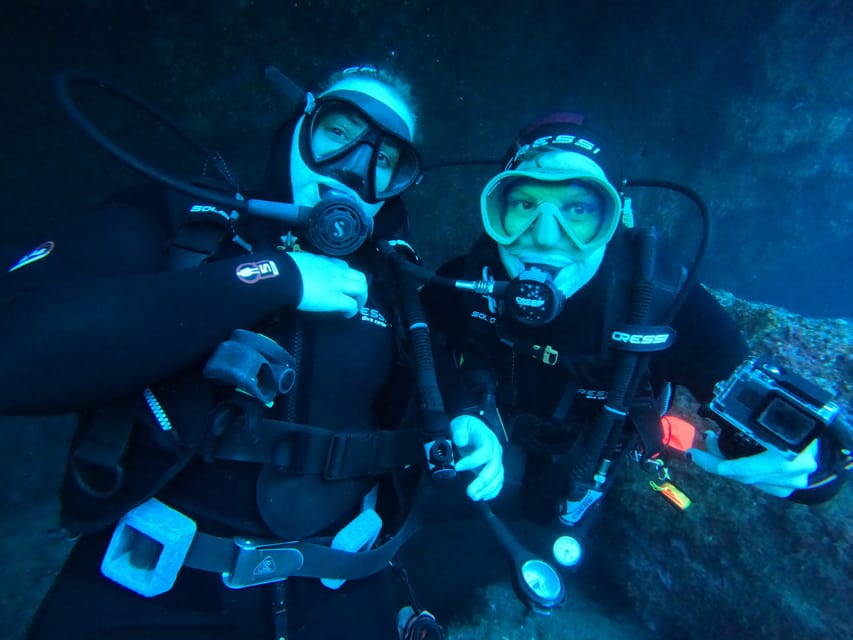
{"type": "Point", "coordinates": [393, 80]}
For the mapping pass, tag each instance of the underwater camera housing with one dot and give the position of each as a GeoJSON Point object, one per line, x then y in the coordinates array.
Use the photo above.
{"type": "Point", "coordinates": [780, 411]}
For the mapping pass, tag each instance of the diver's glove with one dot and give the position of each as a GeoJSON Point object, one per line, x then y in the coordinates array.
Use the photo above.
{"type": "Point", "coordinates": [329, 284]}
{"type": "Point", "coordinates": [768, 471]}
{"type": "Point", "coordinates": [480, 448]}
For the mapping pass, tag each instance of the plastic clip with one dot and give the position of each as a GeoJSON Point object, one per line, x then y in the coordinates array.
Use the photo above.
{"type": "Point", "coordinates": [549, 354]}
{"type": "Point", "coordinates": [656, 466]}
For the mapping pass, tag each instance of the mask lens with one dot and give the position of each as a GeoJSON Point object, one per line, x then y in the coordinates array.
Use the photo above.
{"type": "Point", "coordinates": [398, 167]}
{"type": "Point", "coordinates": [505, 222]}
{"type": "Point", "coordinates": [334, 129]}
{"type": "Point", "coordinates": [512, 204]}
{"type": "Point", "coordinates": [344, 144]}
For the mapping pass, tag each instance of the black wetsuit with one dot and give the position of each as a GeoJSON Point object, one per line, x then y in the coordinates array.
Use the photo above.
{"type": "Point", "coordinates": [102, 317]}
{"type": "Point", "coordinates": [550, 408]}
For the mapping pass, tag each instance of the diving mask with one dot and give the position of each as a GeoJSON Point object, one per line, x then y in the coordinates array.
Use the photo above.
{"type": "Point", "coordinates": [362, 143]}
{"type": "Point", "coordinates": [505, 222]}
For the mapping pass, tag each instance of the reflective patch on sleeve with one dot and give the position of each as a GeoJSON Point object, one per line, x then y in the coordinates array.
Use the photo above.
{"type": "Point", "coordinates": [251, 272]}
{"type": "Point", "coordinates": [41, 251]}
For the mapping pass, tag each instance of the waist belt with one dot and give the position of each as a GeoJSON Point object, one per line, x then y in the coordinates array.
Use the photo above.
{"type": "Point", "coordinates": [303, 449]}
{"type": "Point", "coordinates": [245, 562]}
{"type": "Point", "coordinates": [153, 541]}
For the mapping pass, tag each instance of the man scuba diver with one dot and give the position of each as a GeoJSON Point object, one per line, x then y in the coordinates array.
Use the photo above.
{"type": "Point", "coordinates": [245, 459]}
{"type": "Point", "coordinates": [573, 361]}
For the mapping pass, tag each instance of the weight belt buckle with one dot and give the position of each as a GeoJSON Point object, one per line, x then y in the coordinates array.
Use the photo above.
{"type": "Point", "coordinates": [261, 562]}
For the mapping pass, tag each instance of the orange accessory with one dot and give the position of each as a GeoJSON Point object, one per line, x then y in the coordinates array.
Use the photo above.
{"type": "Point", "coordinates": [678, 434]}
{"type": "Point", "coordinates": [672, 493]}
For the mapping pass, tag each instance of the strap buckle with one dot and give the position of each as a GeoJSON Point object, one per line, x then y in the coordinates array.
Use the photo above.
{"type": "Point", "coordinates": [548, 355]}
{"type": "Point", "coordinates": [653, 465]}
{"type": "Point", "coordinates": [260, 562]}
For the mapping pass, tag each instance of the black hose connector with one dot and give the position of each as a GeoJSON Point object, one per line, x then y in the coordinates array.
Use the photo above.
{"type": "Point", "coordinates": [435, 426]}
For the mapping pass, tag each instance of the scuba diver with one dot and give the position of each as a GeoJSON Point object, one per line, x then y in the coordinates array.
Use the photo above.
{"type": "Point", "coordinates": [246, 458]}
{"type": "Point", "coordinates": [579, 325]}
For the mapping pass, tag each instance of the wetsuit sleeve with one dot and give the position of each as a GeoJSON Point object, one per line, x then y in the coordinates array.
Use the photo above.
{"type": "Point", "coordinates": [98, 317]}
{"type": "Point", "coordinates": [708, 347]}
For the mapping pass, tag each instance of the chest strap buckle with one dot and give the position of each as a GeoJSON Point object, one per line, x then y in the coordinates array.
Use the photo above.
{"type": "Point", "coordinates": [548, 355]}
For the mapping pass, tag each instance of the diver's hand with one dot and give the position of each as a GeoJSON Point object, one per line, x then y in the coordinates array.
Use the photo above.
{"type": "Point", "coordinates": [480, 448]}
{"type": "Point", "coordinates": [767, 471]}
{"type": "Point", "coordinates": [329, 285]}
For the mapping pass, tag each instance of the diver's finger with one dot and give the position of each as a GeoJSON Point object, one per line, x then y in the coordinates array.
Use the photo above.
{"type": "Point", "coordinates": [704, 460]}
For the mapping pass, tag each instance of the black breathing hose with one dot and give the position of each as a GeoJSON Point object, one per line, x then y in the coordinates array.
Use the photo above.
{"type": "Point", "coordinates": [693, 273]}
{"type": "Point", "coordinates": [68, 78]}
{"type": "Point", "coordinates": [629, 370]}
{"type": "Point", "coordinates": [435, 424]}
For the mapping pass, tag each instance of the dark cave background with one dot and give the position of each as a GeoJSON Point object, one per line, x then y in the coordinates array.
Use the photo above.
{"type": "Point", "coordinates": [748, 103]}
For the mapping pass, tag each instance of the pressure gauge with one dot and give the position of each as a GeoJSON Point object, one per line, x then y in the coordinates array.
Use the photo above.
{"type": "Point", "coordinates": [567, 551]}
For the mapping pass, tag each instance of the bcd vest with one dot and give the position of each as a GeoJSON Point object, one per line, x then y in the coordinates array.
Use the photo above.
{"type": "Point", "coordinates": [127, 452]}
